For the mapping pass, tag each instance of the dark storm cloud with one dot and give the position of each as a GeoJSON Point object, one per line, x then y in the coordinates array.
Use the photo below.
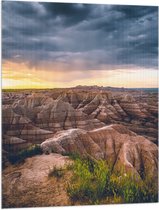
{"type": "Point", "coordinates": [94, 35]}
{"type": "Point", "coordinates": [134, 12]}
{"type": "Point", "coordinates": [70, 14]}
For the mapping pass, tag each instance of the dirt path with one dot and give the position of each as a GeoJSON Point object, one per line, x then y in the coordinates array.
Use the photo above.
{"type": "Point", "coordinates": [28, 184]}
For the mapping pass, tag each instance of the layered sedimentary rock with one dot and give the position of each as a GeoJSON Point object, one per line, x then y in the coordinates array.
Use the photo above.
{"type": "Point", "coordinates": [129, 104]}
{"type": "Point", "coordinates": [36, 115]}
{"type": "Point", "coordinates": [116, 125]}
{"type": "Point", "coordinates": [14, 144]}
{"type": "Point", "coordinates": [53, 115]}
{"type": "Point", "coordinates": [17, 125]}
{"type": "Point", "coordinates": [114, 143]}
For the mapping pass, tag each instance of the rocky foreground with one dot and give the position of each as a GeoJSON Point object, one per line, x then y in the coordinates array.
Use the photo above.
{"type": "Point", "coordinates": [118, 126]}
{"type": "Point", "coordinates": [27, 185]}
{"type": "Point", "coordinates": [117, 145]}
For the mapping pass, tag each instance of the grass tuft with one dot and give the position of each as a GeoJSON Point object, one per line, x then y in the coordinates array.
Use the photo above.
{"type": "Point", "coordinates": [94, 181]}
{"type": "Point", "coordinates": [56, 172]}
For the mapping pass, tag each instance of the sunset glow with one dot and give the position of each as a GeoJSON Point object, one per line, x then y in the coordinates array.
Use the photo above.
{"type": "Point", "coordinates": [22, 77]}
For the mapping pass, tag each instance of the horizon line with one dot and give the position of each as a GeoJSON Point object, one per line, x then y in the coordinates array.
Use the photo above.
{"type": "Point", "coordinates": [77, 87]}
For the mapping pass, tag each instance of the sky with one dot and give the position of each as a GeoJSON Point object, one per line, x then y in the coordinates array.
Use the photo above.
{"type": "Point", "coordinates": [57, 45]}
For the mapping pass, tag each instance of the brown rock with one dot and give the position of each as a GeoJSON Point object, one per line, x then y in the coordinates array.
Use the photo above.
{"type": "Point", "coordinates": [114, 143]}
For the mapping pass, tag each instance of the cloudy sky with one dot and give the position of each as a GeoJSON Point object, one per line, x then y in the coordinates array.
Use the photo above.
{"type": "Point", "coordinates": [48, 45]}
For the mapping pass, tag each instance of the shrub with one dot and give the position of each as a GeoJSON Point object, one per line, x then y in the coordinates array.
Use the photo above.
{"type": "Point", "coordinates": [89, 180]}
{"type": "Point", "coordinates": [22, 155]}
{"type": "Point", "coordinates": [73, 156]}
{"type": "Point", "coordinates": [133, 190]}
{"type": "Point", "coordinates": [56, 172]}
{"type": "Point", "coordinates": [93, 181]}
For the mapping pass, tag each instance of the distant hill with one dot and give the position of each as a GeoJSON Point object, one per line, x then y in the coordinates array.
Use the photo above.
{"type": "Point", "coordinates": [109, 88]}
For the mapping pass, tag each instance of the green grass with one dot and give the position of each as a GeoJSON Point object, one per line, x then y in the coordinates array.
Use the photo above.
{"type": "Point", "coordinates": [93, 181]}
{"type": "Point", "coordinates": [133, 190]}
{"type": "Point", "coordinates": [22, 155]}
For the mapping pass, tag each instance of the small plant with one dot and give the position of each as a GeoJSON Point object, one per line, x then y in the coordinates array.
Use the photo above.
{"type": "Point", "coordinates": [133, 190]}
{"type": "Point", "coordinates": [89, 180]}
{"type": "Point", "coordinates": [72, 156]}
{"type": "Point", "coordinates": [22, 155]}
{"type": "Point", "coordinates": [56, 172]}
{"type": "Point", "coordinates": [93, 181]}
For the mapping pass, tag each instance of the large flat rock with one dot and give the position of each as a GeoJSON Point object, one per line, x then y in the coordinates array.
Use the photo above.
{"type": "Point", "coordinates": [28, 184]}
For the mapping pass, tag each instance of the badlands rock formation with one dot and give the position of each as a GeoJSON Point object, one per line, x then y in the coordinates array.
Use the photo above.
{"type": "Point", "coordinates": [114, 143]}
{"type": "Point", "coordinates": [119, 126]}
{"type": "Point", "coordinates": [53, 115]}
{"type": "Point", "coordinates": [20, 126]}
{"type": "Point", "coordinates": [64, 109]}
{"type": "Point", "coordinates": [33, 116]}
